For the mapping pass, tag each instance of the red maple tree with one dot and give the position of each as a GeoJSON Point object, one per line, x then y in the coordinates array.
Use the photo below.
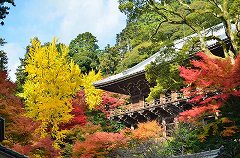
{"type": "Point", "coordinates": [78, 112]}
{"type": "Point", "coordinates": [211, 81]}
{"type": "Point", "coordinates": [39, 148]}
{"type": "Point", "coordinates": [18, 127]}
{"type": "Point", "coordinates": [110, 102]}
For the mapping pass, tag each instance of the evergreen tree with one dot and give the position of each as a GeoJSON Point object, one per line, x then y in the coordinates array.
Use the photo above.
{"type": "Point", "coordinates": [3, 61]}
{"type": "Point", "coordinates": [109, 60]}
{"type": "Point", "coordinates": [4, 10]}
{"type": "Point", "coordinates": [84, 52]}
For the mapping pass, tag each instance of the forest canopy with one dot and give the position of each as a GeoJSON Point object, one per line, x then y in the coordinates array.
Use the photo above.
{"type": "Point", "coordinates": [54, 110]}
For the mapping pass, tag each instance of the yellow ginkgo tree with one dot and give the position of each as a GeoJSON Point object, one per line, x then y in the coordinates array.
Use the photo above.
{"type": "Point", "coordinates": [51, 83]}
{"type": "Point", "coordinates": [93, 95]}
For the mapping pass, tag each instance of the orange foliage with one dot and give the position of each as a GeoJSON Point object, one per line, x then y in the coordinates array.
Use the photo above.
{"type": "Point", "coordinates": [226, 120]}
{"type": "Point", "coordinates": [229, 131]}
{"type": "Point", "coordinates": [98, 144]}
{"type": "Point", "coordinates": [229, 127]}
{"type": "Point", "coordinates": [150, 129]}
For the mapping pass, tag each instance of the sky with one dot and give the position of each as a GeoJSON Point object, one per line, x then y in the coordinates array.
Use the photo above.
{"type": "Point", "coordinates": [64, 19]}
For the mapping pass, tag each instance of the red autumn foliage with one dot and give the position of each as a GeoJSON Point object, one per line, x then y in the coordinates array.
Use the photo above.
{"type": "Point", "coordinates": [216, 77]}
{"type": "Point", "coordinates": [79, 107]}
{"type": "Point", "coordinates": [110, 102]}
{"type": "Point", "coordinates": [25, 150]}
{"type": "Point", "coordinates": [196, 112]}
{"type": "Point", "coordinates": [41, 148]}
{"type": "Point", "coordinates": [80, 100]}
{"type": "Point", "coordinates": [98, 144]}
{"type": "Point", "coordinates": [18, 127]}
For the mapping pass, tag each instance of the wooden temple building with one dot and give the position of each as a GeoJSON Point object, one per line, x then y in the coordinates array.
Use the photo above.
{"type": "Point", "coordinates": [132, 82]}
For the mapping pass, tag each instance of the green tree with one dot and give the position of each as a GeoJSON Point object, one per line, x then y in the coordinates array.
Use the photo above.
{"type": "Point", "coordinates": [3, 60]}
{"type": "Point", "coordinates": [147, 30]}
{"type": "Point", "coordinates": [109, 60]}
{"type": "Point", "coordinates": [136, 42]}
{"type": "Point", "coordinates": [199, 15]}
{"type": "Point", "coordinates": [84, 52]}
{"type": "Point", "coordinates": [3, 57]}
{"type": "Point", "coordinates": [4, 10]}
{"type": "Point", "coordinates": [21, 75]}
{"type": "Point", "coordinates": [165, 73]}
{"type": "Point", "coordinates": [195, 15]}
{"type": "Point", "coordinates": [177, 19]}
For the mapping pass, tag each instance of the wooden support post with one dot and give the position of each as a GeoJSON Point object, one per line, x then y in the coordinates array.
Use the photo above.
{"type": "Point", "coordinates": [216, 115]}
{"type": "Point", "coordinates": [175, 123]}
{"type": "Point", "coordinates": [174, 96]}
{"type": "Point", "coordinates": [142, 101]}
{"type": "Point", "coordinates": [164, 128]}
{"type": "Point", "coordinates": [132, 127]}
{"type": "Point", "coordinates": [162, 99]}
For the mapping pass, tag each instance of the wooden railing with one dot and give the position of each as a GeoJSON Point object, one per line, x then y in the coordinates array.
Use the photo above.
{"type": "Point", "coordinates": [173, 97]}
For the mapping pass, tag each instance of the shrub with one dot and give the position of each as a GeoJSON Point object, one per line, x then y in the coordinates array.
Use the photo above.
{"type": "Point", "coordinates": [98, 144]}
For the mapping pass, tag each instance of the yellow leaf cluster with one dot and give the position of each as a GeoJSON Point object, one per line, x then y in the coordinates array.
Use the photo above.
{"type": "Point", "coordinates": [93, 95]}
{"type": "Point", "coordinates": [51, 82]}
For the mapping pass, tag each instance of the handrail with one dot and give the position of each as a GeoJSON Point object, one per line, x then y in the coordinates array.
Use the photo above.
{"type": "Point", "coordinates": [172, 98]}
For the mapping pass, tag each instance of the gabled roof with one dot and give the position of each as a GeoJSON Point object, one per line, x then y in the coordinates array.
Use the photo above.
{"type": "Point", "coordinates": [217, 30]}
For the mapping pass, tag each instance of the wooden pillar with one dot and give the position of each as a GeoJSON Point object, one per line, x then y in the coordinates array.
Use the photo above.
{"type": "Point", "coordinates": [132, 127]}
{"type": "Point", "coordinates": [175, 123]}
{"type": "Point", "coordinates": [164, 127]}
{"type": "Point", "coordinates": [141, 101]}
{"type": "Point", "coordinates": [174, 96]}
{"type": "Point", "coordinates": [216, 115]}
{"type": "Point", "coordinates": [162, 99]}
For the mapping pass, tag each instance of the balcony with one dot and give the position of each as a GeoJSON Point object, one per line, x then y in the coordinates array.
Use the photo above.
{"type": "Point", "coordinates": [164, 101]}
